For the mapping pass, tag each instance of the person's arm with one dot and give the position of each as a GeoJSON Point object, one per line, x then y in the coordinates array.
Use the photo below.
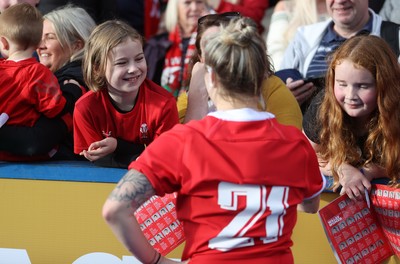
{"type": "Point", "coordinates": [112, 152]}
{"type": "Point", "coordinates": [118, 211]}
{"type": "Point", "coordinates": [281, 102]}
{"type": "Point", "coordinates": [46, 93]}
{"type": "Point", "coordinates": [197, 106]}
{"type": "Point", "coordinates": [309, 205]}
{"type": "Point", "coordinates": [124, 154]}
{"type": "Point", "coordinates": [353, 181]}
{"type": "Point", "coordinates": [71, 91]}
{"type": "Point", "coordinates": [39, 139]}
{"type": "Point", "coordinates": [373, 171]}
{"type": "Point", "coordinates": [276, 42]}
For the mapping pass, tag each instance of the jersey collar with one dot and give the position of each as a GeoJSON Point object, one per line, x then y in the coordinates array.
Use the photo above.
{"type": "Point", "coordinates": [242, 114]}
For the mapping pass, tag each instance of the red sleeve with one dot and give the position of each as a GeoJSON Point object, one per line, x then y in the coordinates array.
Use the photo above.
{"type": "Point", "coordinates": [169, 117]}
{"type": "Point", "coordinates": [85, 132]}
{"type": "Point", "coordinates": [255, 9]}
{"type": "Point", "coordinates": [46, 93]}
{"type": "Point", "coordinates": [315, 180]}
{"type": "Point", "coordinates": [160, 164]}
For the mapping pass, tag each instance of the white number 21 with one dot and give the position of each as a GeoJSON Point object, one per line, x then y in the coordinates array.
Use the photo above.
{"type": "Point", "coordinates": [257, 202]}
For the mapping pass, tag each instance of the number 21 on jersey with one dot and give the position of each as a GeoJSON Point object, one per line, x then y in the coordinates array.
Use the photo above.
{"type": "Point", "coordinates": [258, 200]}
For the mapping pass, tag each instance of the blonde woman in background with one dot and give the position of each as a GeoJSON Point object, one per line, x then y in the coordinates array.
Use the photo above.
{"type": "Point", "coordinates": [288, 15]}
{"type": "Point", "coordinates": [168, 54]}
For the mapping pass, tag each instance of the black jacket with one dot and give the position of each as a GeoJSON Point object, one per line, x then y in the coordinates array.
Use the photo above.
{"type": "Point", "coordinates": [155, 50]}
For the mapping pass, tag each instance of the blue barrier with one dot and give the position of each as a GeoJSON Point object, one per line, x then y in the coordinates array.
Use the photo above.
{"type": "Point", "coordinates": [83, 171]}
{"type": "Point", "coordinates": [60, 171]}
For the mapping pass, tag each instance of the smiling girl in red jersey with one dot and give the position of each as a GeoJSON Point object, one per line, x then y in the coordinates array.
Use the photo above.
{"type": "Point", "coordinates": [124, 111]}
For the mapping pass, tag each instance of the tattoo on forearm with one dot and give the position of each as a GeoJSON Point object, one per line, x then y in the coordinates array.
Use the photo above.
{"type": "Point", "coordinates": [134, 188]}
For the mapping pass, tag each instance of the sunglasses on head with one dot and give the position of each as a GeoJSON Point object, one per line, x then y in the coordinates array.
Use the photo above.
{"type": "Point", "coordinates": [214, 17]}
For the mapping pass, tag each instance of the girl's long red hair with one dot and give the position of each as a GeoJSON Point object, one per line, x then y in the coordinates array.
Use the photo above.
{"type": "Point", "coordinates": [337, 138]}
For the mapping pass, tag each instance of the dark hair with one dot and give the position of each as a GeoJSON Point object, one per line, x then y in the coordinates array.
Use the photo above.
{"type": "Point", "coordinates": [210, 20]}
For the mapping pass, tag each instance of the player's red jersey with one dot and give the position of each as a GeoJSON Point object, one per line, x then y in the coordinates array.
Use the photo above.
{"type": "Point", "coordinates": [95, 117]}
{"type": "Point", "coordinates": [239, 175]}
{"type": "Point", "coordinates": [28, 89]}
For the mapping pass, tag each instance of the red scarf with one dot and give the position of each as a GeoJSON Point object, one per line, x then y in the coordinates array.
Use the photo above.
{"type": "Point", "coordinates": [175, 75]}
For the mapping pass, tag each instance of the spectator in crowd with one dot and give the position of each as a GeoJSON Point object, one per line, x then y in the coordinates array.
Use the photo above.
{"type": "Point", "coordinates": [65, 32]}
{"type": "Point", "coordinates": [236, 149]}
{"type": "Point", "coordinates": [144, 16]}
{"type": "Point", "coordinates": [358, 118]}
{"type": "Point", "coordinates": [123, 112]}
{"type": "Point", "coordinates": [311, 45]}
{"type": "Point", "coordinates": [29, 88]}
{"type": "Point", "coordinates": [168, 54]}
{"type": "Point", "coordinates": [287, 17]}
{"type": "Point", "coordinates": [390, 11]}
{"type": "Point", "coordinates": [276, 98]}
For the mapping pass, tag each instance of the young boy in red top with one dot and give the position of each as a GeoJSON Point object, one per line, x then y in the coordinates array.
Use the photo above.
{"type": "Point", "coordinates": [28, 89]}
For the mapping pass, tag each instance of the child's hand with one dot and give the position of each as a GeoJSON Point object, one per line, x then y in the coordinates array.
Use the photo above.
{"type": "Point", "coordinates": [100, 149]}
{"type": "Point", "coordinates": [353, 182]}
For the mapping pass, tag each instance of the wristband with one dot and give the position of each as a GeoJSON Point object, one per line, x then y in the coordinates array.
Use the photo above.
{"type": "Point", "coordinates": [158, 258]}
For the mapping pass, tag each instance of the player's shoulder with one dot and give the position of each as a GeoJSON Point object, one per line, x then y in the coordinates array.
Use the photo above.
{"type": "Point", "coordinates": [90, 98]}
{"type": "Point", "coordinates": [32, 66]}
{"type": "Point", "coordinates": [33, 63]}
{"type": "Point", "coordinates": [289, 132]}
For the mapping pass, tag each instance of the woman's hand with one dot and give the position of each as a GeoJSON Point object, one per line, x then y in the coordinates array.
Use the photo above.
{"type": "Point", "coordinates": [72, 81]}
{"type": "Point", "coordinates": [301, 91]}
{"type": "Point", "coordinates": [353, 182]}
{"type": "Point", "coordinates": [100, 149]}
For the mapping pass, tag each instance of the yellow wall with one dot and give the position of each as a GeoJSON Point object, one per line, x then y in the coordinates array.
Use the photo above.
{"type": "Point", "coordinates": [60, 221]}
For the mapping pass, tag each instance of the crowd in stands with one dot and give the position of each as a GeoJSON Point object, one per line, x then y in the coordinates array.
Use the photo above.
{"type": "Point", "coordinates": [181, 92]}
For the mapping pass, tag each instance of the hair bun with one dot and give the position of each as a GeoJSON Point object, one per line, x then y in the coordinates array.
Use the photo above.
{"type": "Point", "coordinates": [240, 33]}
{"type": "Point", "coordinates": [238, 57]}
